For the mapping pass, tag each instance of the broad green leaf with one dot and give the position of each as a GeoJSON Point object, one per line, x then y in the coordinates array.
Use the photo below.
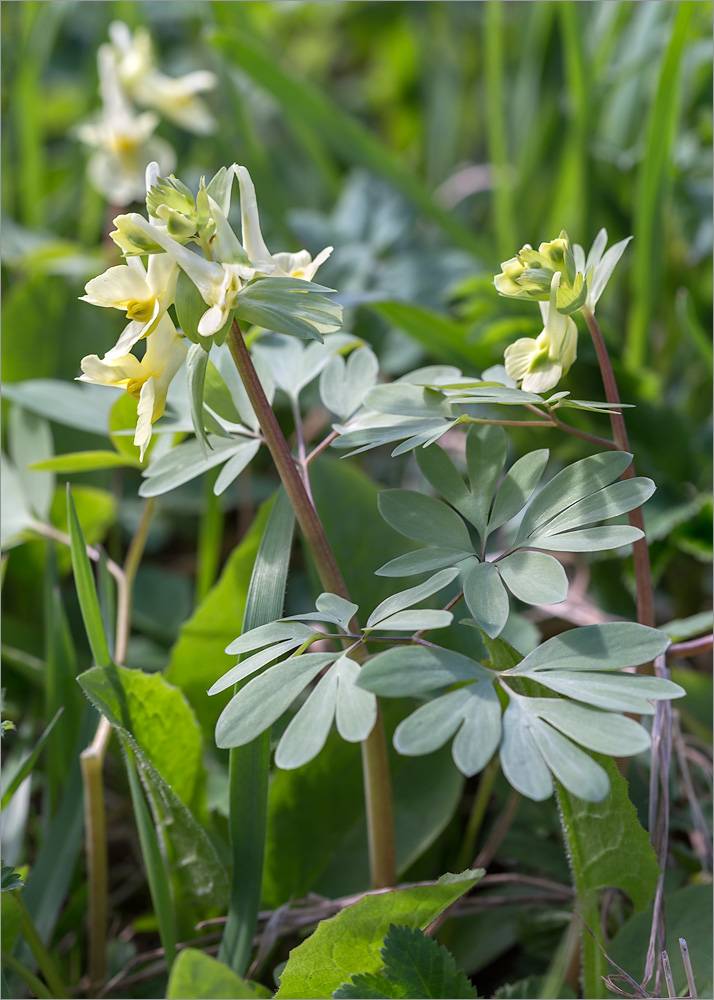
{"type": "Point", "coordinates": [317, 816]}
{"type": "Point", "coordinates": [343, 384]}
{"type": "Point", "coordinates": [414, 967]}
{"type": "Point", "coordinates": [607, 846]}
{"type": "Point", "coordinates": [192, 858]}
{"type": "Point", "coordinates": [616, 692]}
{"type": "Point", "coordinates": [608, 502]}
{"type": "Point", "coordinates": [264, 699]}
{"type": "Point", "coordinates": [30, 443]}
{"type": "Point", "coordinates": [196, 363]}
{"type": "Point", "coordinates": [74, 404]}
{"type": "Point", "coordinates": [486, 598]}
{"type": "Point", "coordinates": [408, 598]}
{"type": "Point", "coordinates": [289, 306]}
{"type": "Point", "coordinates": [86, 589]}
{"type": "Point", "coordinates": [352, 939]}
{"type": "Point", "coordinates": [187, 460]}
{"type": "Point", "coordinates": [421, 561]}
{"type": "Point", "coordinates": [197, 976]}
{"type": "Point", "coordinates": [486, 448]}
{"type": "Point", "coordinates": [534, 577]}
{"type": "Point", "coordinates": [570, 485]}
{"type": "Point", "coordinates": [415, 670]}
{"type": "Point", "coordinates": [87, 461]}
{"type": "Point", "coordinates": [610, 536]}
{"type": "Point", "coordinates": [424, 519]}
{"type": "Point", "coordinates": [308, 730]}
{"type": "Point", "coordinates": [198, 658]}
{"type": "Point", "coordinates": [517, 487]}
{"type": "Point", "coordinates": [152, 711]}
{"type": "Point", "coordinates": [611, 646]}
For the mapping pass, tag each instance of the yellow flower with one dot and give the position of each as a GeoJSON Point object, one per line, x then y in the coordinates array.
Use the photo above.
{"type": "Point", "coordinates": [143, 295]}
{"type": "Point", "coordinates": [539, 363]}
{"type": "Point", "coordinates": [529, 275]}
{"type": "Point", "coordinates": [146, 380]}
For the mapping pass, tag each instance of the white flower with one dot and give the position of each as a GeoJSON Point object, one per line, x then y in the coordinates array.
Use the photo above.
{"type": "Point", "coordinates": [143, 295]}
{"type": "Point", "coordinates": [174, 97]}
{"type": "Point", "coordinates": [284, 265]}
{"type": "Point", "coordinates": [123, 141]}
{"type": "Point", "coordinates": [146, 380]}
{"type": "Point", "coordinates": [539, 364]}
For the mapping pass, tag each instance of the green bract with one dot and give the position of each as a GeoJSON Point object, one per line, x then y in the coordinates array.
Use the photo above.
{"type": "Point", "coordinates": [560, 518]}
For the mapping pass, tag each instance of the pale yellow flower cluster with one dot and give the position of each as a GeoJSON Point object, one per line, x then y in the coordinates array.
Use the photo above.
{"type": "Point", "coordinates": [122, 139]}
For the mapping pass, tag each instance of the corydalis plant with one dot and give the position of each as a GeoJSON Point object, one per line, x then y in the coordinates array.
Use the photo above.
{"type": "Point", "coordinates": [207, 287]}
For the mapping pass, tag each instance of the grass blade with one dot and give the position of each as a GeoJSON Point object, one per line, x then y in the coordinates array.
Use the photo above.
{"type": "Point", "coordinates": [86, 590]}
{"type": "Point", "coordinates": [249, 764]}
{"type": "Point", "coordinates": [28, 765]}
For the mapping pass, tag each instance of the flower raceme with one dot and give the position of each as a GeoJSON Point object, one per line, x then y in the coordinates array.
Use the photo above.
{"type": "Point", "coordinates": [529, 275]}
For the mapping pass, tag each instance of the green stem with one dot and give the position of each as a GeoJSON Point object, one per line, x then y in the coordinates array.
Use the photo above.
{"type": "Point", "coordinates": [478, 812]}
{"type": "Point", "coordinates": [29, 978]}
{"type": "Point", "coordinates": [92, 761]}
{"type": "Point", "coordinates": [44, 960]}
{"type": "Point", "coordinates": [374, 750]}
{"type": "Point", "coordinates": [640, 552]}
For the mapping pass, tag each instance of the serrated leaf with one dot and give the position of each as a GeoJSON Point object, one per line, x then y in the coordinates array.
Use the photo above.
{"type": "Point", "coordinates": [534, 577]}
{"type": "Point", "coordinates": [408, 598]}
{"type": "Point", "coordinates": [352, 939]}
{"type": "Point", "coordinates": [415, 967]}
{"type": "Point", "coordinates": [343, 384]}
{"type": "Point", "coordinates": [424, 519]}
{"type": "Point", "coordinates": [264, 699]}
{"type": "Point", "coordinates": [10, 879]}
{"type": "Point", "coordinates": [486, 598]}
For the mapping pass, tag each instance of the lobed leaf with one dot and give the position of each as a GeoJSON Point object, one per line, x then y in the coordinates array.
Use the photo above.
{"type": "Point", "coordinates": [486, 598]}
{"type": "Point", "coordinates": [407, 598]}
{"type": "Point", "coordinates": [534, 577]}
{"type": "Point", "coordinates": [424, 519]}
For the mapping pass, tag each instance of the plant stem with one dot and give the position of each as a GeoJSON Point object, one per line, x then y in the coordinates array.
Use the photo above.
{"type": "Point", "coordinates": [29, 978]}
{"type": "Point", "coordinates": [92, 761]}
{"type": "Point", "coordinates": [640, 552]}
{"type": "Point", "coordinates": [380, 818]}
{"type": "Point", "coordinates": [478, 811]}
{"type": "Point", "coordinates": [44, 960]}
